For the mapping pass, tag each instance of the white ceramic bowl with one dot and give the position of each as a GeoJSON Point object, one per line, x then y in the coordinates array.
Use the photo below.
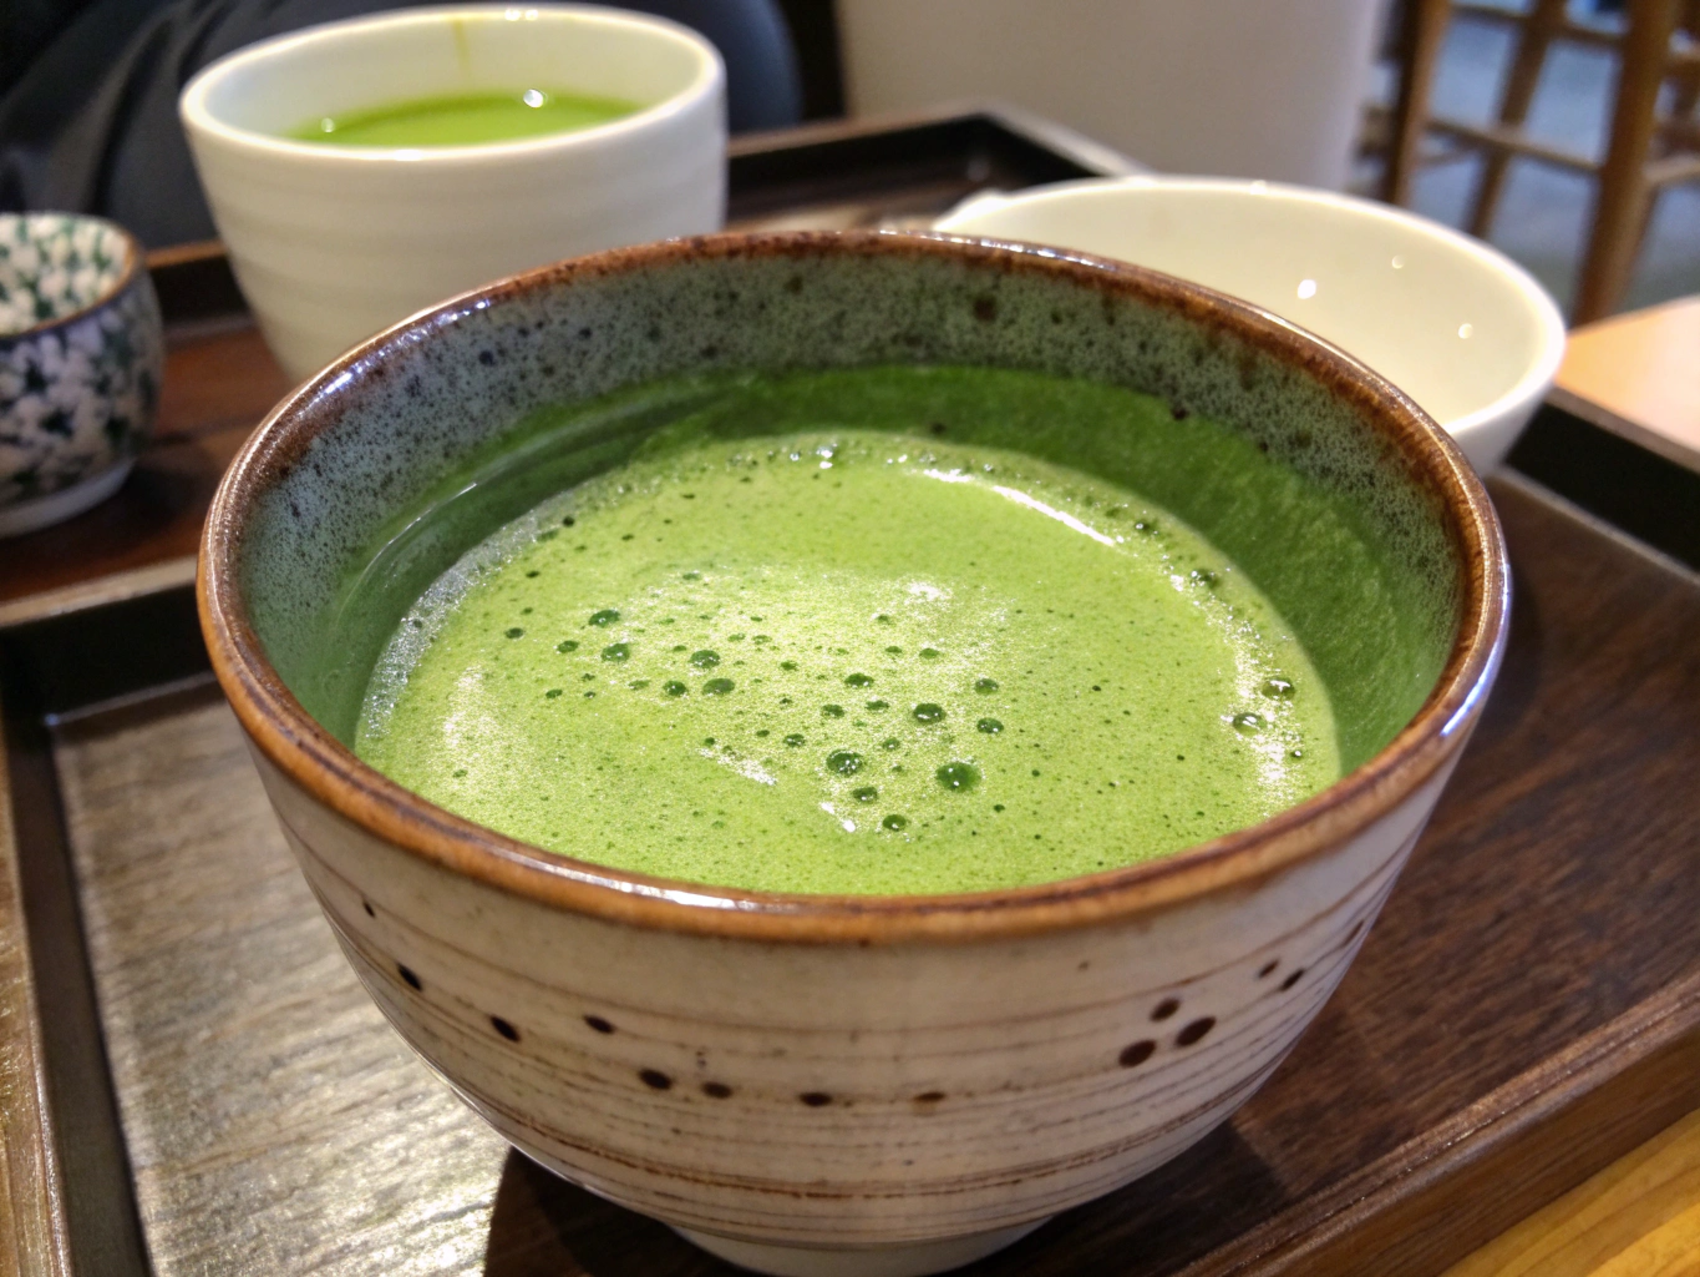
{"type": "Point", "coordinates": [1457, 325]}
{"type": "Point", "coordinates": [331, 243]}
{"type": "Point", "coordinates": [838, 1085]}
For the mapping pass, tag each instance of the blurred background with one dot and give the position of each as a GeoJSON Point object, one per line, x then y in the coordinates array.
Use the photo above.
{"type": "Point", "coordinates": [1306, 91]}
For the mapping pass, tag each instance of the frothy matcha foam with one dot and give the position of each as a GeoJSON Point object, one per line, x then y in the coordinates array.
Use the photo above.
{"type": "Point", "coordinates": [848, 661]}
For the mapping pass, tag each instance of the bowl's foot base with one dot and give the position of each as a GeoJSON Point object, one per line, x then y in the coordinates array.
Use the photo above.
{"type": "Point", "coordinates": [39, 512]}
{"type": "Point", "coordinates": [914, 1260]}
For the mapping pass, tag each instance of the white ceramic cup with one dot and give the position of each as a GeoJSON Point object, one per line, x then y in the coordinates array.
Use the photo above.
{"type": "Point", "coordinates": [1457, 325]}
{"type": "Point", "coordinates": [332, 243]}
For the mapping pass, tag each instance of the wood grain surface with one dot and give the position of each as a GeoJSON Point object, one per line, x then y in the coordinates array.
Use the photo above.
{"type": "Point", "coordinates": [1640, 1217]}
{"type": "Point", "coordinates": [1526, 1010]}
{"type": "Point", "coordinates": [1639, 368]}
{"type": "Point", "coordinates": [29, 1180]}
{"type": "Point", "coordinates": [274, 1123]}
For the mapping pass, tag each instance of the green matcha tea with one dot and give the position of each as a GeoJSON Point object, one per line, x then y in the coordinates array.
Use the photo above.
{"type": "Point", "coordinates": [466, 120]}
{"type": "Point", "coordinates": [830, 659]}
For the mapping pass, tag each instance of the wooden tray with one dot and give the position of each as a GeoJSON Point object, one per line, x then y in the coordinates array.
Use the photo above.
{"type": "Point", "coordinates": [191, 1081]}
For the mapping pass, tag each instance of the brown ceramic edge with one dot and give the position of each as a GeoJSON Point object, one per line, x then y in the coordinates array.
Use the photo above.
{"type": "Point", "coordinates": [327, 770]}
{"type": "Point", "coordinates": [134, 264]}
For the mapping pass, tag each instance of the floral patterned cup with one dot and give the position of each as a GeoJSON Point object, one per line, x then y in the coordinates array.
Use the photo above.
{"type": "Point", "coordinates": [80, 362]}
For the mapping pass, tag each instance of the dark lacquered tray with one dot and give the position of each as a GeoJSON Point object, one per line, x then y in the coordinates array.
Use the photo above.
{"type": "Point", "coordinates": [191, 1081]}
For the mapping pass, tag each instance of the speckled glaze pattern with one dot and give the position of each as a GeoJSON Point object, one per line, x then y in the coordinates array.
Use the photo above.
{"type": "Point", "coordinates": [80, 359]}
{"type": "Point", "coordinates": [813, 1076]}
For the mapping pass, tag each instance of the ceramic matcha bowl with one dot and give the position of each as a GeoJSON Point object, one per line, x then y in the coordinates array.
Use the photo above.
{"type": "Point", "coordinates": [862, 1084]}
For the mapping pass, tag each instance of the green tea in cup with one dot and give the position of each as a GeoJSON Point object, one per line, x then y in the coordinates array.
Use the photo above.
{"type": "Point", "coordinates": [468, 119]}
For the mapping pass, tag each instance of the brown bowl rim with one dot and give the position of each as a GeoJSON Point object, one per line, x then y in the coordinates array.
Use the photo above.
{"type": "Point", "coordinates": [328, 771]}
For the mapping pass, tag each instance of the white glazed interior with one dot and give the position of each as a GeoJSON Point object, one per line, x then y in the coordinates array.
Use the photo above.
{"type": "Point", "coordinates": [331, 243]}
{"type": "Point", "coordinates": [1454, 323]}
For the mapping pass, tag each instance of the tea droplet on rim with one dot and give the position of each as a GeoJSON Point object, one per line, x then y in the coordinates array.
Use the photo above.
{"type": "Point", "coordinates": [705, 659]}
{"type": "Point", "coordinates": [717, 687]}
{"type": "Point", "coordinates": [1248, 723]}
{"type": "Point", "coordinates": [607, 616]}
{"type": "Point", "coordinates": [843, 761]}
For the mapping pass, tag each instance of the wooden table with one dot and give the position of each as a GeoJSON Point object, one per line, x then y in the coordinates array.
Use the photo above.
{"type": "Point", "coordinates": [1637, 375]}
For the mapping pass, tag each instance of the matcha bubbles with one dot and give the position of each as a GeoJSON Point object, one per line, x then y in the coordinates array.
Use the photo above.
{"type": "Point", "coordinates": [892, 627]}
{"type": "Point", "coordinates": [839, 660]}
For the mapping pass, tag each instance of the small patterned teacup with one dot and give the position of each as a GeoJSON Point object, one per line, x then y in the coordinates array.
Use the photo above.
{"type": "Point", "coordinates": [80, 363]}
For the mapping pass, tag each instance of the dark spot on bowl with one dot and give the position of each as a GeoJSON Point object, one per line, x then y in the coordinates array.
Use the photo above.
{"type": "Point", "coordinates": [367, 906]}
{"type": "Point", "coordinates": [504, 1028]}
{"type": "Point", "coordinates": [655, 1079]}
{"type": "Point", "coordinates": [599, 1024]}
{"type": "Point", "coordinates": [815, 1099]}
{"type": "Point", "coordinates": [1137, 1053]}
{"type": "Point", "coordinates": [1292, 979]}
{"type": "Point", "coordinates": [716, 1090]}
{"type": "Point", "coordinates": [1195, 1031]}
{"type": "Point", "coordinates": [1166, 1008]}
{"type": "Point", "coordinates": [412, 980]}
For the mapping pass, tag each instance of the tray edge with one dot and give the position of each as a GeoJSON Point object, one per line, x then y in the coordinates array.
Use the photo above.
{"type": "Point", "coordinates": [1561, 1122]}
{"type": "Point", "coordinates": [37, 1241]}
